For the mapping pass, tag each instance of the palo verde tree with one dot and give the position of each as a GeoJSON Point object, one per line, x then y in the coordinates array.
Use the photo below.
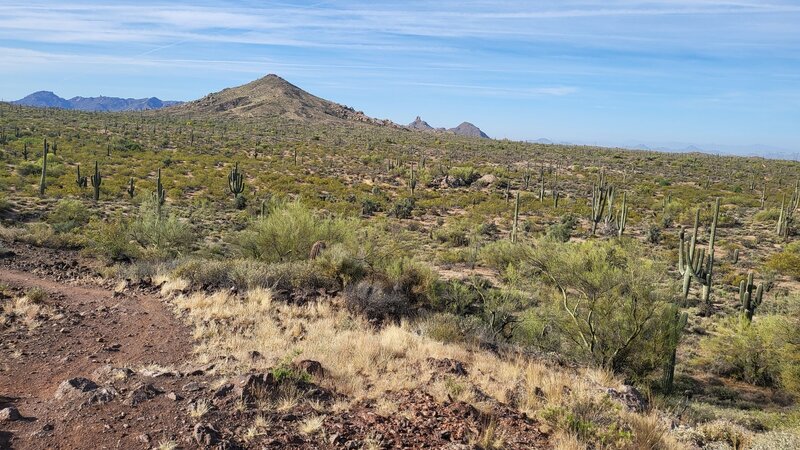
{"type": "Point", "coordinates": [608, 294]}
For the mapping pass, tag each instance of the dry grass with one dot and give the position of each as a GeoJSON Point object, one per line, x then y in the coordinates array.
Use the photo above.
{"type": "Point", "coordinates": [364, 363]}
{"type": "Point", "coordinates": [311, 425]}
{"type": "Point", "coordinates": [199, 408]}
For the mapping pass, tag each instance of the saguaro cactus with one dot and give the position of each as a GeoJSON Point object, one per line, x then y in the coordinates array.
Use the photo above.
{"type": "Point", "coordinates": [25, 152]}
{"type": "Point", "coordinates": [674, 326]}
{"type": "Point", "coordinates": [694, 263]}
{"type": "Point", "coordinates": [97, 180]}
{"type": "Point", "coordinates": [412, 181]}
{"type": "Point", "coordinates": [236, 186]}
{"type": "Point", "coordinates": [43, 180]}
{"type": "Point", "coordinates": [160, 194]}
{"type": "Point", "coordinates": [602, 194]}
{"type": "Point", "coordinates": [622, 217]}
{"type": "Point", "coordinates": [131, 188]}
{"type": "Point", "coordinates": [81, 181]}
{"type": "Point", "coordinates": [750, 296]}
{"type": "Point", "coordinates": [514, 227]}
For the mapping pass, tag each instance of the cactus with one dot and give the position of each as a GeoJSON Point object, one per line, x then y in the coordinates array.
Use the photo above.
{"type": "Point", "coordinates": [601, 193]}
{"type": "Point", "coordinates": [622, 217]}
{"type": "Point", "coordinates": [97, 180]}
{"type": "Point", "coordinates": [674, 326]}
{"type": "Point", "coordinates": [55, 147]}
{"type": "Point", "coordinates": [516, 220]}
{"type": "Point", "coordinates": [735, 256]}
{"type": "Point", "coordinates": [412, 181]}
{"type": "Point", "coordinates": [81, 181]}
{"type": "Point", "coordinates": [236, 186]}
{"type": "Point", "coordinates": [556, 196]}
{"type": "Point", "coordinates": [526, 179]}
{"type": "Point", "coordinates": [541, 183]}
{"type": "Point", "coordinates": [160, 195]}
{"type": "Point", "coordinates": [25, 152]}
{"type": "Point", "coordinates": [750, 295]}
{"type": "Point", "coordinates": [43, 180]}
{"type": "Point", "coordinates": [694, 263]}
{"type": "Point", "coordinates": [131, 188]}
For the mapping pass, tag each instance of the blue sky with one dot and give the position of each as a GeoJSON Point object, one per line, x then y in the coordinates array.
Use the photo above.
{"type": "Point", "coordinates": [613, 71]}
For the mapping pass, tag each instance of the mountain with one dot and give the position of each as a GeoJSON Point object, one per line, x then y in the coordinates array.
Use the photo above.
{"type": "Point", "coordinates": [47, 99]}
{"type": "Point", "coordinates": [272, 96]}
{"type": "Point", "coordinates": [419, 124]}
{"type": "Point", "coordinates": [465, 129]}
{"type": "Point", "coordinates": [44, 99]}
{"type": "Point", "coordinates": [468, 129]}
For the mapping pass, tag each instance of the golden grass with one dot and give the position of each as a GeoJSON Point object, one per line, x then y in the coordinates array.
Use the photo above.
{"type": "Point", "coordinates": [364, 363]}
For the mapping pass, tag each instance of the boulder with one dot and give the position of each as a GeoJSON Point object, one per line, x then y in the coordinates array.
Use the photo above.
{"type": "Point", "coordinates": [75, 388]}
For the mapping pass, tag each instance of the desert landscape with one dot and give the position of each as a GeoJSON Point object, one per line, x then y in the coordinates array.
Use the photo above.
{"type": "Point", "coordinates": [342, 224]}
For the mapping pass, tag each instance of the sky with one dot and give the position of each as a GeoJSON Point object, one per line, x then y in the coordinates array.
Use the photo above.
{"type": "Point", "coordinates": [606, 72]}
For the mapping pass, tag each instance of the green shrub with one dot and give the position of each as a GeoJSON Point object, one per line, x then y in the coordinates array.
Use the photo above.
{"type": "Point", "coordinates": [768, 215]}
{"type": "Point", "coordinates": [289, 232]}
{"type": "Point", "coordinates": [402, 209]}
{"type": "Point", "coordinates": [786, 262]}
{"type": "Point", "coordinates": [160, 235]}
{"type": "Point", "coordinates": [109, 239]}
{"type": "Point", "coordinates": [562, 231]}
{"type": "Point", "coordinates": [67, 215]}
{"type": "Point", "coordinates": [765, 352]}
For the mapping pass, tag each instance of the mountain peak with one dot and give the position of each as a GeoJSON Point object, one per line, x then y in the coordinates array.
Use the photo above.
{"type": "Point", "coordinates": [272, 96]}
{"type": "Point", "coordinates": [419, 124]}
{"type": "Point", "coordinates": [468, 129]}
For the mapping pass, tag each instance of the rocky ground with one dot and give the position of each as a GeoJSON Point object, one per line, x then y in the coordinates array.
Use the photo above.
{"type": "Point", "coordinates": [110, 366]}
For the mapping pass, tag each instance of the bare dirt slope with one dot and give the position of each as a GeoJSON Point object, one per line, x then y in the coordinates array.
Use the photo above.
{"type": "Point", "coordinates": [87, 328]}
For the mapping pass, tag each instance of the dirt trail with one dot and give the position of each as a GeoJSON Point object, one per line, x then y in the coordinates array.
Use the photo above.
{"type": "Point", "coordinates": [89, 326]}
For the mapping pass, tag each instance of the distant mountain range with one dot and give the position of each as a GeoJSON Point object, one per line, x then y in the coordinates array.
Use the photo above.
{"type": "Point", "coordinates": [47, 99]}
{"type": "Point", "coordinates": [465, 129]}
{"type": "Point", "coordinates": [766, 151]}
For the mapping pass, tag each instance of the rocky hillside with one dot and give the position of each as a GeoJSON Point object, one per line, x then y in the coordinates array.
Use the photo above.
{"type": "Point", "coordinates": [465, 129]}
{"type": "Point", "coordinates": [272, 96]}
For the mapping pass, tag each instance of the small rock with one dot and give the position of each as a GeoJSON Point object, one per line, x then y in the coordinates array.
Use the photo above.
{"type": "Point", "coordinates": [193, 387]}
{"type": "Point", "coordinates": [141, 393]}
{"type": "Point", "coordinates": [174, 397]}
{"type": "Point", "coordinates": [75, 388]}
{"type": "Point", "coordinates": [144, 438]}
{"type": "Point", "coordinates": [223, 391]}
{"type": "Point", "coordinates": [205, 434]}
{"type": "Point", "coordinates": [313, 368]}
{"type": "Point", "coordinates": [102, 395]}
{"type": "Point", "coordinates": [9, 414]}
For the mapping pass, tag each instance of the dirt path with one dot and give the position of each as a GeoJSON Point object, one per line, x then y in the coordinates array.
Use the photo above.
{"type": "Point", "coordinates": [86, 327]}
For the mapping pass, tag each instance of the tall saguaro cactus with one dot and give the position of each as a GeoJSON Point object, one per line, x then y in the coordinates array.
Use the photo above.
{"type": "Point", "coordinates": [131, 188]}
{"type": "Point", "coordinates": [160, 194]}
{"type": "Point", "coordinates": [622, 217]}
{"type": "Point", "coordinates": [750, 295]}
{"type": "Point", "coordinates": [694, 263]}
{"type": "Point", "coordinates": [674, 326]}
{"type": "Point", "coordinates": [97, 180]}
{"type": "Point", "coordinates": [236, 186]}
{"type": "Point", "coordinates": [602, 196]}
{"type": "Point", "coordinates": [515, 225]}
{"type": "Point", "coordinates": [81, 181]}
{"type": "Point", "coordinates": [43, 180]}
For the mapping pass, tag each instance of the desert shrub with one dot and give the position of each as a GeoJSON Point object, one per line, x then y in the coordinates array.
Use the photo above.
{"type": "Point", "coordinates": [609, 297]}
{"type": "Point", "coordinates": [787, 262]}
{"type": "Point", "coordinates": [402, 209]}
{"type": "Point", "coordinates": [67, 215]}
{"type": "Point", "coordinates": [28, 168]}
{"type": "Point", "coordinates": [561, 231]}
{"type": "Point", "coordinates": [377, 301]}
{"type": "Point", "coordinates": [724, 432]}
{"type": "Point", "coordinates": [462, 176]}
{"type": "Point", "coordinates": [442, 327]}
{"type": "Point", "coordinates": [653, 233]}
{"type": "Point", "coordinates": [765, 352]}
{"type": "Point", "coordinates": [413, 279]}
{"type": "Point", "coordinates": [160, 235]}
{"type": "Point", "coordinates": [767, 215]}
{"type": "Point", "coordinates": [5, 205]}
{"type": "Point", "coordinates": [297, 278]}
{"type": "Point", "coordinates": [500, 254]}
{"type": "Point", "coordinates": [289, 232]}
{"type": "Point", "coordinates": [109, 239]}
{"type": "Point", "coordinates": [453, 237]}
